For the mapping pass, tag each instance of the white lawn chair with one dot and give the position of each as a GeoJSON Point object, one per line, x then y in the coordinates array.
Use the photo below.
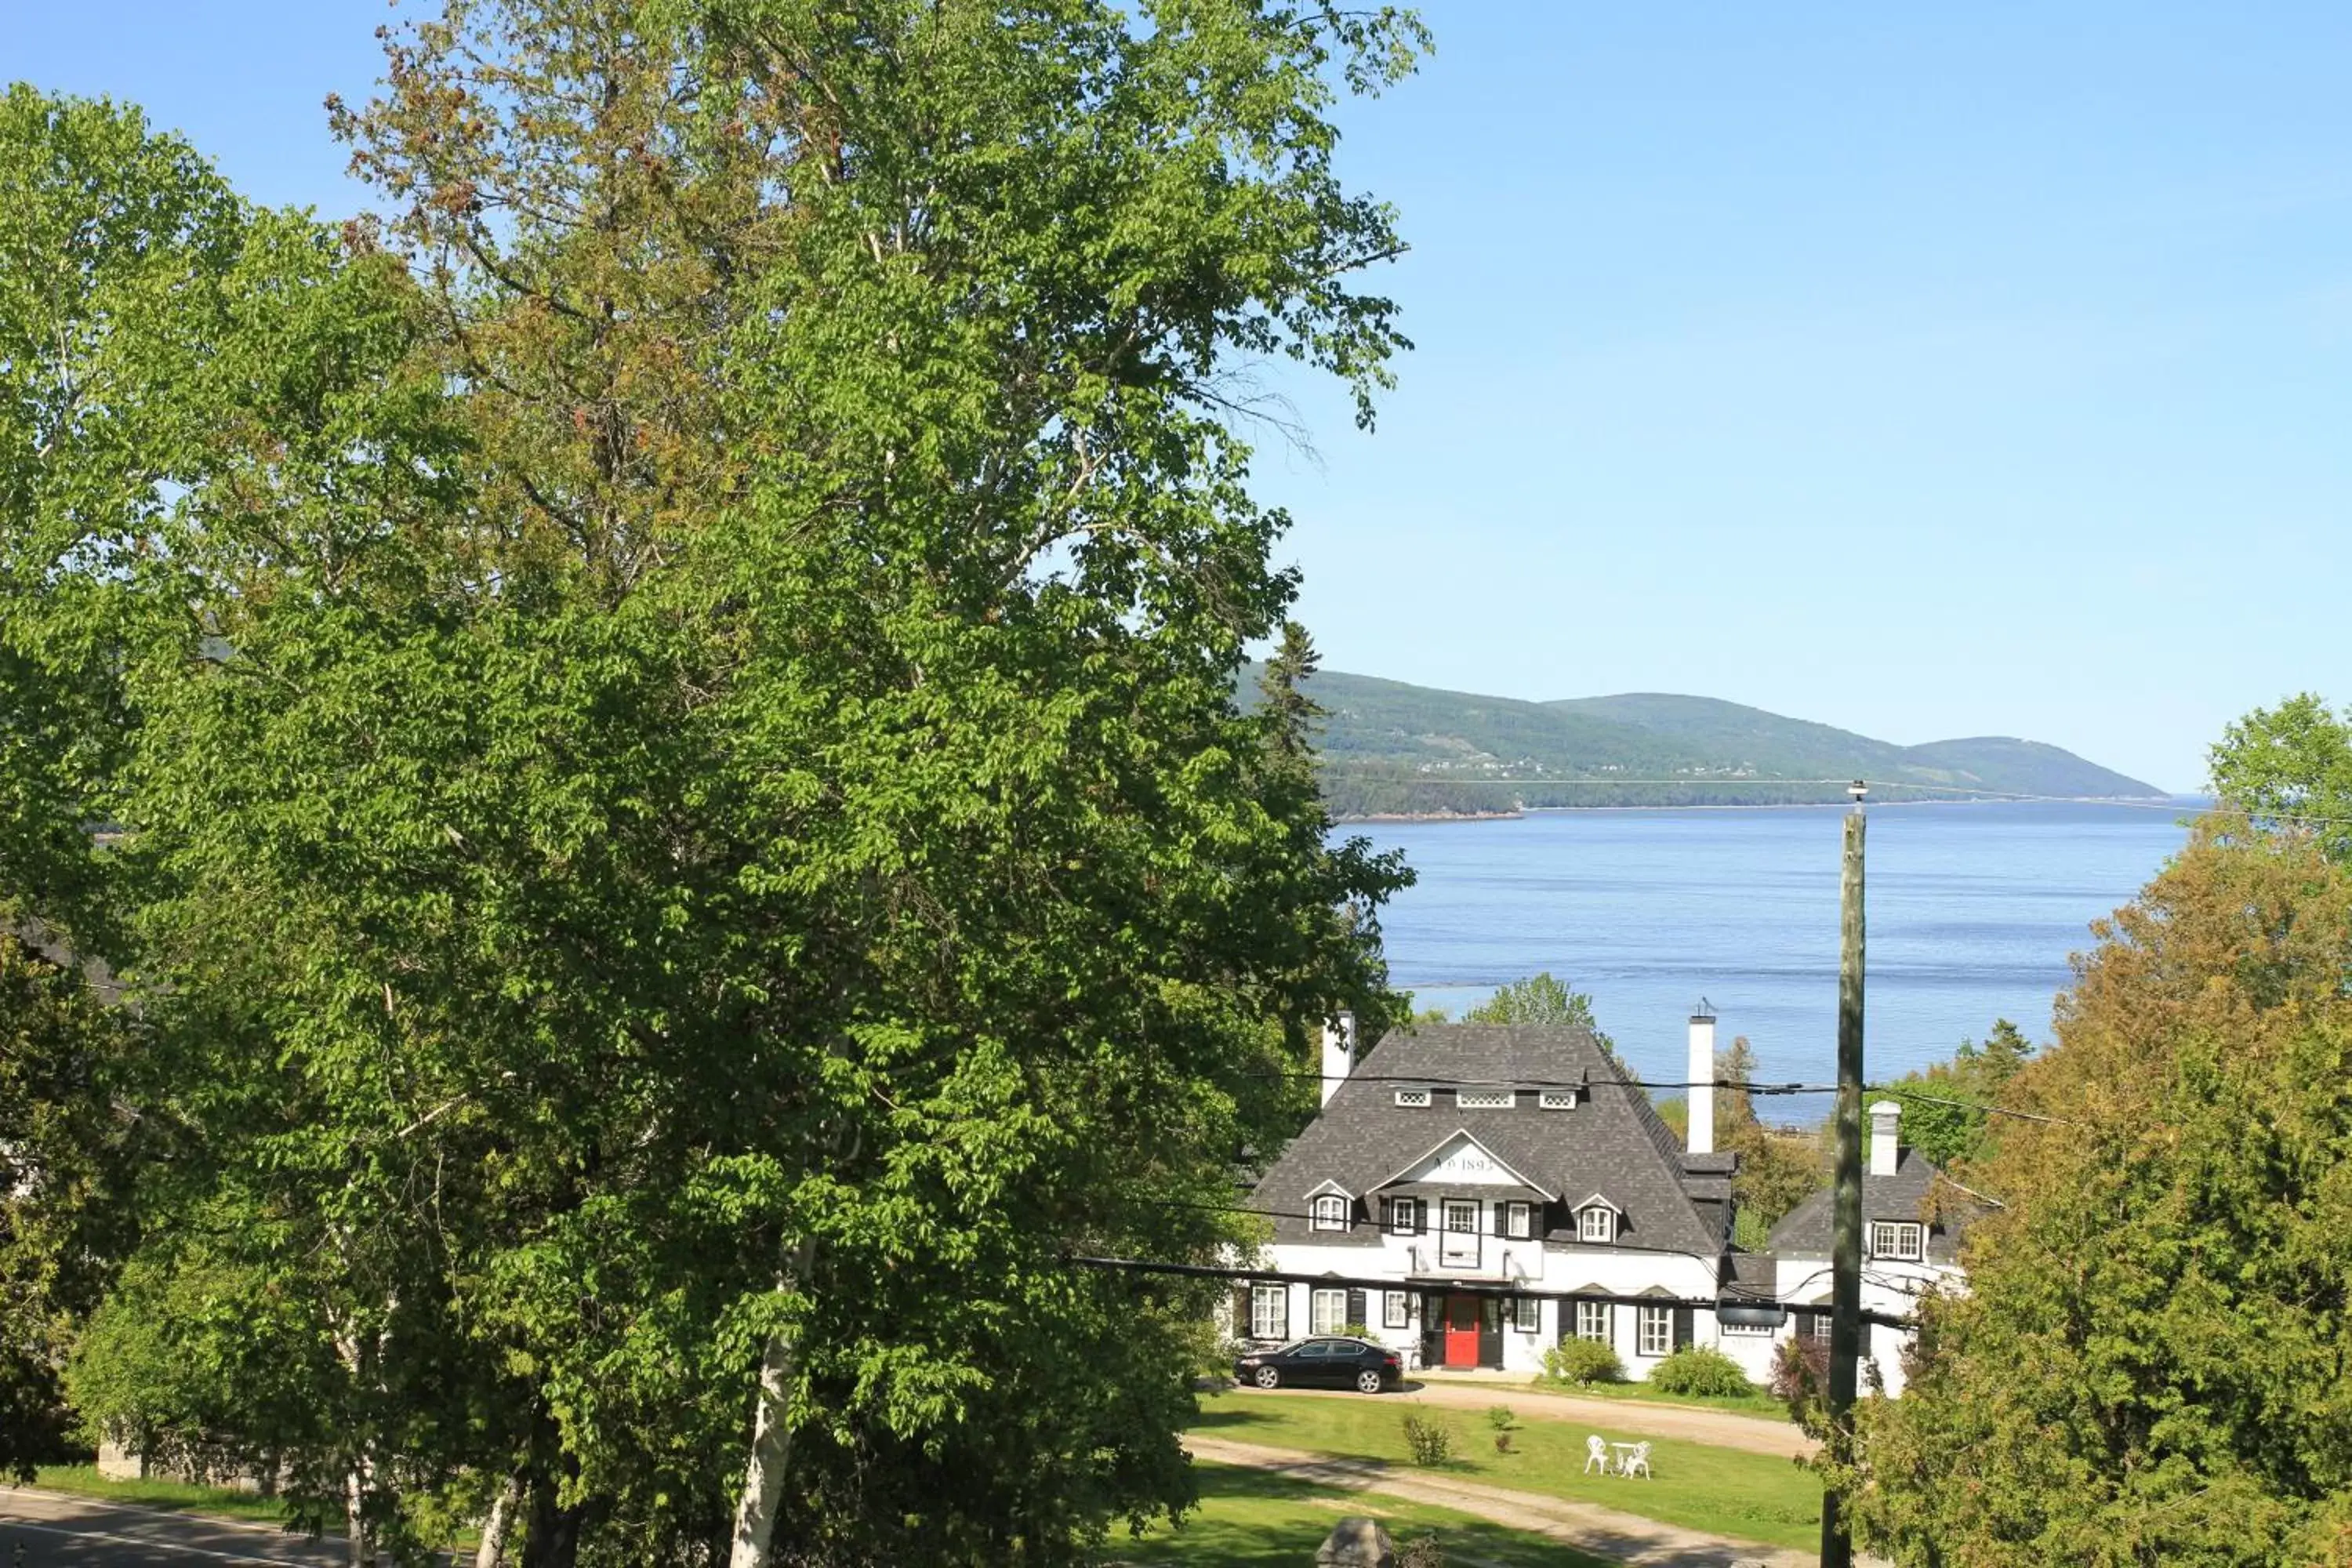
{"type": "Point", "coordinates": [1638, 1461]}
{"type": "Point", "coordinates": [1596, 1452]}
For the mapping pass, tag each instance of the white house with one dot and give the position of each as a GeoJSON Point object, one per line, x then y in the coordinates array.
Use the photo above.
{"type": "Point", "coordinates": [1462, 1174]}
{"type": "Point", "coordinates": [1493, 1155]}
{"type": "Point", "coordinates": [1909, 1245]}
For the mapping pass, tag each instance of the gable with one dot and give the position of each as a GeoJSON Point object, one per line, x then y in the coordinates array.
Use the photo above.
{"type": "Point", "coordinates": [1461, 1160]}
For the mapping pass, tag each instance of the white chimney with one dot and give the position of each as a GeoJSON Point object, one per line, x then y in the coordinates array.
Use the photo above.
{"type": "Point", "coordinates": [1701, 1137]}
{"type": "Point", "coordinates": [1338, 1053]}
{"type": "Point", "coordinates": [1884, 1118]}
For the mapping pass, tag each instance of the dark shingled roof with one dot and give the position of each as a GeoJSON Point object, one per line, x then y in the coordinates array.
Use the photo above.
{"type": "Point", "coordinates": [1804, 1231]}
{"type": "Point", "coordinates": [1613, 1143]}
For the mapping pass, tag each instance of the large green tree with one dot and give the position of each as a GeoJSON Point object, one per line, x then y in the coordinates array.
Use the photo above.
{"type": "Point", "coordinates": [1540, 999]}
{"type": "Point", "coordinates": [2291, 766]}
{"type": "Point", "coordinates": [70, 1146]}
{"type": "Point", "coordinates": [2147, 1366]}
{"type": "Point", "coordinates": [684, 808]}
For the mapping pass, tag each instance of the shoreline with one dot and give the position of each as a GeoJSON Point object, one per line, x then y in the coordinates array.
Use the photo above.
{"type": "Point", "coordinates": [2138, 802]}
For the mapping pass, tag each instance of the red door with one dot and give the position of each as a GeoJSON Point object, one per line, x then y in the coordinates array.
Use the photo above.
{"type": "Point", "coordinates": [1462, 1331]}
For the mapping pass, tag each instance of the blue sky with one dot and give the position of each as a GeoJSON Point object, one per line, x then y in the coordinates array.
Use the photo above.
{"type": "Point", "coordinates": [1930, 371]}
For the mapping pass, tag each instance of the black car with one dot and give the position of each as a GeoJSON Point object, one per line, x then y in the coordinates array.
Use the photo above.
{"type": "Point", "coordinates": [1326, 1362]}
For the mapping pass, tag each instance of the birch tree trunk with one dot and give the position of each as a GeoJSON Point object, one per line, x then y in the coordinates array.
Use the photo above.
{"type": "Point", "coordinates": [355, 1516]}
{"type": "Point", "coordinates": [356, 1476]}
{"type": "Point", "coordinates": [771, 1436]}
{"type": "Point", "coordinates": [495, 1529]}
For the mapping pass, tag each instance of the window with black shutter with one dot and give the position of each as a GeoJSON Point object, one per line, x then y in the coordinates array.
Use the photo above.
{"type": "Point", "coordinates": [1682, 1328]}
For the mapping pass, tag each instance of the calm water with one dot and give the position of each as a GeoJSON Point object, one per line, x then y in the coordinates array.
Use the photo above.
{"type": "Point", "coordinates": [1972, 912]}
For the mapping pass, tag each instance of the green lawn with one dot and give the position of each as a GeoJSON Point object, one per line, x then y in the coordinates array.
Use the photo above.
{"type": "Point", "coordinates": [1725, 1491]}
{"type": "Point", "coordinates": [1250, 1520]}
{"type": "Point", "coordinates": [177, 1497]}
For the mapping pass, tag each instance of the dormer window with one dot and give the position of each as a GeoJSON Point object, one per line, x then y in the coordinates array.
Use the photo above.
{"type": "Point", "coordinates": [1485, 1099]}
{"type": "Point", "coordinates": [1417, 1098]}
{"type": "Point", "coordinates": [1899, 1241]}
{"type": "Point", "coordinates": [1556, 1099]}
{"type": "Point", "coordinates": [1330, 1212]}
{"type": "Point", "coordinates": [1596, 1224]}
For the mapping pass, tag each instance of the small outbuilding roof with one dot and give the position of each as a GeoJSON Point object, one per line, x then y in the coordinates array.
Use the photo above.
{"type": "Point", "coordinates": [1805, 1231]}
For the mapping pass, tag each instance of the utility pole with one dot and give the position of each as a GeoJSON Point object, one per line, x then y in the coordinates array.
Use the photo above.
{"type": "Point", "coordinates": [1845, 1247]}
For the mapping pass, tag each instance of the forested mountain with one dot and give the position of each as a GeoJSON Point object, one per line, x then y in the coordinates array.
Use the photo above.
{"type": "Point", "coordinates": [1390, 748]}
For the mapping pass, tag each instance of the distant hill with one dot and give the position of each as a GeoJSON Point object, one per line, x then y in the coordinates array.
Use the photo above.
{"type": "Point", "coordinates": [1392, 748]}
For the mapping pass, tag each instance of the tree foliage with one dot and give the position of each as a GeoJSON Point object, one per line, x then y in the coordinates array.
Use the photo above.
{"type": "Point", "coordinates": [683, 818]}
{"type": "Point", "coordinates": [2145, 1367]}
{"type": "Point", "coordinates": [2291, 767]}
{"type": "Point", "coordinates": [1540, 999]}
{"type": "Point", "coordinates": [67, 1150]}
{"type": "Point", "coordinates": [1935, 1099]}
{"type": "Point", "coordinates": [1778, 1167]}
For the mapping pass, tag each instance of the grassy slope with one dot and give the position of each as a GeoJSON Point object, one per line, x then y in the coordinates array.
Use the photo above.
{"type": "Point", "coordinates": [171, 1497]}
{"type": "Point", "coordinates": [1721, 1490]}
{"type": "Point", "coordinates": [1387, 745]}
{"type": "Point", "coordinates": [1249, 1519]}
{"type": "Point", "coordinates": [1729, 733]}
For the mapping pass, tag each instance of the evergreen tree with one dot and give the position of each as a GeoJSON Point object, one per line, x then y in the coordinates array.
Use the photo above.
{"type": "Point", "coordinates": [1291, 715]}
{"type": "Point", "coordinates": [1939, 1120]}
{"type": "Point", "coordinates": [2147, 1366]}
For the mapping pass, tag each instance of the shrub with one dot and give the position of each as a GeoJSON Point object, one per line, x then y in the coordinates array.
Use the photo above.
{"type": "Point", "coordinates": [1502, 1441]}
{"type": "Point", "coordinates": [1800, 1371]}
{"type": "Point", "coordinates": [1421, 1552]}
{"type": "Point", "coordinates": [1430, 1443]}
{"type": "Point", "coordinates": [1500, 1418]}
{"type": "Point", "coordinates": [1702, 1370]}
{"type": "Point", "coordinates": [1356, 1331]}
{"type": "Point", "coordinates": [1583, 1362]}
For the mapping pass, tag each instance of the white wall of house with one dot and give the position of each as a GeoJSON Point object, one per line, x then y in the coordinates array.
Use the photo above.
{"type": "Point", "coordinates": [1892, 1286]}
{"type": "Point", "coordinates": [1529, 1264]}
{"type": "Point", "coordinates": [1753, 1349]}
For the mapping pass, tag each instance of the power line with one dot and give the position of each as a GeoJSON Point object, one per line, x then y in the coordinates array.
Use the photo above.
{"type": "Point", "coordinates": [1421, 1080]}
{"type": "Point", "coordinates": [1972, 1105]}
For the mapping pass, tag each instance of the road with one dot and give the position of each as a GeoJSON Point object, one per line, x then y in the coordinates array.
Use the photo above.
{"type": "Point", "coordinates": [50, 1530]}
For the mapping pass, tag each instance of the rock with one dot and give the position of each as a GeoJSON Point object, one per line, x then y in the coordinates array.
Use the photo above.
{"type": "Point", "coordinates": [1357, 1542]}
